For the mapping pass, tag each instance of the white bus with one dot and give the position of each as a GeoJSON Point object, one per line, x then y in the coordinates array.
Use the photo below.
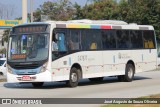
{"type": "Point", "coordinates": [72, 50]}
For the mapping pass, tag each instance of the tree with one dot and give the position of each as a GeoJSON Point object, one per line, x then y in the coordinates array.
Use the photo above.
{"type": "Point", "coordinates": [79, 13]}
{"type": "Point", "coordinates": [154, 15]}
{"type": "Point", "coordinates": [144, 12]}
{"type": "Point", "coordinates": [60, 10]}
{"type": "Point", "coordinates": [100, 9]}
{"type": "Point", "coordinates": [6, 35]}
{"type": "Point", "coordinates": [3, 51]}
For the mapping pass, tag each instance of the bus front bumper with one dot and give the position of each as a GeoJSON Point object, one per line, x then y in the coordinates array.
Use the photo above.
{"type": "Point", "coordinates": [41, 77]}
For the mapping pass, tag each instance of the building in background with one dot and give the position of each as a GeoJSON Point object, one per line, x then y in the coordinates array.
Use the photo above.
{"type": "Point", "coordinates": [2, 43]}
{"type": "Point", "coordinates": [6, 24]}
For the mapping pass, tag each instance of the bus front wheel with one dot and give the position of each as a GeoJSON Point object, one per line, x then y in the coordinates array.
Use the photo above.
{"type": "Point", "coordinates": [37, 84]}
{"type": "Point", "coordinates": [73, 78]}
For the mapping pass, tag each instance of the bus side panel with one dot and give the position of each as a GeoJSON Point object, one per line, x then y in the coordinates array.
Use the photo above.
{"type": "Point", "coordinates": [92, 64]}
{"type": "Point", "coordinates": [115, 62]}
{"type": "Point", "coordinates": [61, 67]}
{"type": "Point", "coordinates": [58, 71]}
{"type": "Point", "coordinates": [149, 59]}
{"type": "Point", "coordinates": [103, 63]}
{"type": "Point", "coordinates": [137, 59]}
{"type": "Point", "coordinates": [144, 59]}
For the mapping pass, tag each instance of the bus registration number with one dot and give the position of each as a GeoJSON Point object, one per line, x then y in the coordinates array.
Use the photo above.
{"type": "Point", "coordinates": [26, 78]}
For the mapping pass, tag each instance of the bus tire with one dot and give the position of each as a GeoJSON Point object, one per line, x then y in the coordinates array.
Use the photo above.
{"type": "Point", "coordinates": [96, 79]}
{"type": "Point", "coordinates": [73, 78]}
{"type": "Point", "coordinates": [129, 73]}
{"type": "Point", "coordinates": [1, 74]}
{"type": "Point", "coordinates": [37, 84]}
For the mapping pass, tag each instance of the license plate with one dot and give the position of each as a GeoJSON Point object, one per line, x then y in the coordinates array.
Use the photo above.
{"type": "Point", "coordinates": [26, 78]}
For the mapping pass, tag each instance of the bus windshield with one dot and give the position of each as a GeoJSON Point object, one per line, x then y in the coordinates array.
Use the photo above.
{"type": "Point", "coordinates": [28, 47]}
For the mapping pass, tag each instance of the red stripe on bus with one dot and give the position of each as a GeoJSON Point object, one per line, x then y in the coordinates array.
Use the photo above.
{"type": "Point", "coordinates": [105, 27]}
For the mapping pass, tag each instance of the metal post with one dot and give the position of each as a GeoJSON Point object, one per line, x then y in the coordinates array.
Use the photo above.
{"type": "Point", "coordinates": [24, 11]}
{"type": "Point", "coordinates": [31, 9]}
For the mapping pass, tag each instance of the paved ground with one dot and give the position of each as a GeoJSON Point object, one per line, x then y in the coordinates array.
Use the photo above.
{"type": "Point", "coordinates": [145, 83]}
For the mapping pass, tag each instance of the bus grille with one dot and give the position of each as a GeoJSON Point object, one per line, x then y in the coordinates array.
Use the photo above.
{"type": "Point", "coordinates": [27, 66]}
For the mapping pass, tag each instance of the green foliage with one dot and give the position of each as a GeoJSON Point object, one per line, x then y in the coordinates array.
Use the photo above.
{"type": "Point", "coordinates": [145, 12]}
{"type": "Point", "coordinates": [3, 51]}
{"type": "Point", "coordinates": [37, 15]}
{"type": "Point", "coordinates": [79, 13]}
{"type": "Point", "coordinates": [6, 35]}
{"type": "Point", "coordinates": [60, 10]}
{"type": "Point", "coordinates": [102, 10]}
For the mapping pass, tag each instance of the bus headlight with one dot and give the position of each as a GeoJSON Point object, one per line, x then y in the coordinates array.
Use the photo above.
{"type": "Point", "coordinates": [44, 67]}
{"type": "Point", "coordinates": [9, 69]}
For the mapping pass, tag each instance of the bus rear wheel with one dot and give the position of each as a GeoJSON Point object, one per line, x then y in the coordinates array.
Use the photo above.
{"type": "Point", "coordinates": [73, 78]}
{"type": "Point", "coordinates": [96, 79]}
{"type": "Point", "coordinates": [1, 74]}
{"type": "Point", "coordinates": [129, 74]}
{"type": "Point", "coordinates": [37, 84]}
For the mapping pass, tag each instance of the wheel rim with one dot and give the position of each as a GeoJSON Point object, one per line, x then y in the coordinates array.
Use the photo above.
{"type": "Point", "coordinates": [130, 73]}
{"type": "Point", "coordinates": [74, 77]}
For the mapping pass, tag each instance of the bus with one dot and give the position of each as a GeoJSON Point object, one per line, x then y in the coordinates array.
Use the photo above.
{"type": "Point", "coordinates": [71, 50]}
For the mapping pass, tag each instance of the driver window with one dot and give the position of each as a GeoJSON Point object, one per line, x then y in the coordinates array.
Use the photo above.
{"type": "Point", "coordinates": [58, 42]}
{"type": "Point", "coordinates": [61, 42]}
{"type": "Point", "coordinates": [54, 42]}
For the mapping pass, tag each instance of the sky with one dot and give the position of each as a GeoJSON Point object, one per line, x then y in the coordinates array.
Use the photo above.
{"type": "Point", "coordinates": [36, 3]}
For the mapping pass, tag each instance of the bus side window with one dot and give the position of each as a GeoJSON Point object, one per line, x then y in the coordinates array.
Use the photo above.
{"type": "Point", "coordinates": [108, 39]}
{"type": "Point", "coordinates": [83, 43]}
{"type": "Point", "coordinates": [93, 44]}
{"type": "Point", "coordinates": [123, 39]}
{"type": "Point", "coordinates": [136, 39]}
{"type": "Point", "coordinates": [148, 39]}
{"type": "Point", "coordinates": [74, 41]}
{"type": "Point", "coordinates": [93, 39]}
